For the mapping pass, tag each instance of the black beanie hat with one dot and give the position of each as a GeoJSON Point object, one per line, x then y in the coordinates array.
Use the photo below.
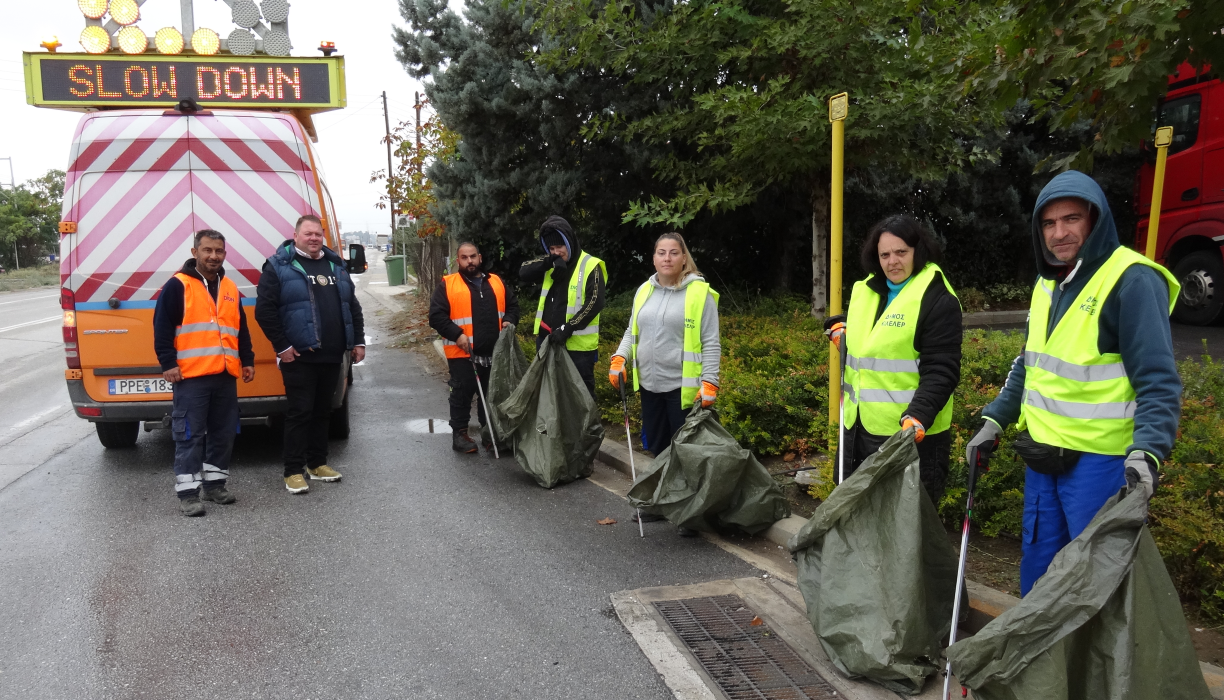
{"type": "Point", "coordinates": [556, 231]}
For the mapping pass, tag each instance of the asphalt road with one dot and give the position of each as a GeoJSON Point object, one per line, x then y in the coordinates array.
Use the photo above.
{"type": "Point", "coordinates": [423, 574]}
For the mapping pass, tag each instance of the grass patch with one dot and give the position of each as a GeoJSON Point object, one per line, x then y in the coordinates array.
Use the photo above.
{"type": "Point", "coordinates": [30, 278]}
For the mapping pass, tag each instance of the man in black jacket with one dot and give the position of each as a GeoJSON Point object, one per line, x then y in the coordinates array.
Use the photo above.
{"type": "Point", "coordinates": [468, 309]}
{"type": "Point", "coordinates": [195, 348]}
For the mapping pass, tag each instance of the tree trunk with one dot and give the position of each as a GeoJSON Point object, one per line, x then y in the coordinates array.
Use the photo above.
{"type": "Point", "coordinates": [820, 249]}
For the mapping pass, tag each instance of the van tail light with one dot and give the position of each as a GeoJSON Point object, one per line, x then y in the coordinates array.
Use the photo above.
{"type": "Point", "coordinates": [68, 304]}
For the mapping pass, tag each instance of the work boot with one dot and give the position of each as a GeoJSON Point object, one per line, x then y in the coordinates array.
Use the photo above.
{"type": "Point", "coordinates": [218, 495]}
{"type": "Point", "coordinates": [647, 517]}
{"type": "Point", "coordinates": [191, 506]}
{"type": "Point", "coordinates": [487, 444]}
{"type": "Point", "coordinates": [296, 484]}
{"type": "Point", "coordinates": [323, 473]}
{"type": "Point", "coordinates": [462, 443]}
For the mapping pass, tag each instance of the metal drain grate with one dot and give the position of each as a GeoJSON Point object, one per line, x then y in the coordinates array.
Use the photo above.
{"type": "Point", "coordinates": [746, 661]}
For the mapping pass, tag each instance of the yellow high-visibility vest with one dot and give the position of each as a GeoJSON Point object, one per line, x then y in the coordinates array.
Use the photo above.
{"type": "Point", "coordinates": [694, 307]}
{"type": "Point", "coordinates": [586, 338]}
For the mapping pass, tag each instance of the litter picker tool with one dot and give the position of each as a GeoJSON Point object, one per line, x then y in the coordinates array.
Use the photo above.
{"type": "Point", "coordinates": [980, 463]}
{"type": "Point", "coordinates": [488, 418]}
{"type": "Point", "coordinates": [629, 439]}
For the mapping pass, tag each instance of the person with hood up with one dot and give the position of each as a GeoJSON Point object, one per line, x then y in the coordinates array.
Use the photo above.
{"type": "Point", "coordinates": [1096, 390]}
{"type": "Point", "coordinates": [202, 342]}
{"type": "Point", "coordinates": [672, 345]}
{"type": "Point", "coordinates": [902, 337]}
{"type": "Point", "coordinates": [571, 295]}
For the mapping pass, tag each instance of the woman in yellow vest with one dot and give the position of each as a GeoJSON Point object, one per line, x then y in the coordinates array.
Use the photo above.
{"type": "Point", "coordinates": [903, 349]}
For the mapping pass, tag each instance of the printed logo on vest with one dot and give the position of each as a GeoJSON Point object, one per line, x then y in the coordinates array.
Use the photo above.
{"type": "Point", "coordinates": [1089, 306]}
{"type": "Point", "coordinates": [894, 320]}
{"type": "Point", "coordinates": [228, 298]}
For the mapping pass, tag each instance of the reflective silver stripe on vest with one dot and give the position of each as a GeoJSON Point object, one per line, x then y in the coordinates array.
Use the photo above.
{"type": "Point", "coordinates": [686, 356]}
{"type": "Point", "coordinates": [885, 396]}
{"type": "Point", "coordinates": [1119, 410]}
{"type": "Point", "coordinates": [500, 314]}
{"type": "Point", "coordinates": [877, 364]}
{"type": "Point", "coordinates": [197, 328]}
{"type": "Point", "coordinates": [690, 382]}
{"type": "Point", "coordinates": [205, 352]}
{"type": "Point", "coordinates": [448, 342]}
{"type": "Point", "coordinates": [465, 321]}
{"type": "Point", "coordinates": [589, 330]}
{"type": "Point", "coordinates": [226, 330]}
{"type": "Point", "coordinates": [1072, 371]}
{"type": "Point", "coordinates": [578, 293]}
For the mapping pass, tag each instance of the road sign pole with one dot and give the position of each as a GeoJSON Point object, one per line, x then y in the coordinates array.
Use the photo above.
{"type": "Point", "coordinates": [1164, 137]}
{"type": "Point", "coordinates": [838, 108]}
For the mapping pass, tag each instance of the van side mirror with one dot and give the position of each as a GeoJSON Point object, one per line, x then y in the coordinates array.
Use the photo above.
{"type": "Point", "coordinates": [357, 259]}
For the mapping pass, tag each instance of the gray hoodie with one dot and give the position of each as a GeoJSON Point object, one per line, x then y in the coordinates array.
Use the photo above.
{"type": "Point", "coordinates": [660, 347]}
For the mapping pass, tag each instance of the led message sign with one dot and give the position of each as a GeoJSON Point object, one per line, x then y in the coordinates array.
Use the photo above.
{"type": "Point", "coordinates": [91, 81]}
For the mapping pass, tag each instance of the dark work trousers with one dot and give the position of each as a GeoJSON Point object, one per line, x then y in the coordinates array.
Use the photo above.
{"type": "Point", "coordinates": [933, 454]}
{"type": "Point", "coordinates": [309, 389]}
{"type": "Point", "coordinates": [204, 420]}
{"type": "Point", "coordinates": [462, 386]}
{"type": "Point", "coordinates": [661, 418]}
{"type": "Point", "coordinates": [585, 361]}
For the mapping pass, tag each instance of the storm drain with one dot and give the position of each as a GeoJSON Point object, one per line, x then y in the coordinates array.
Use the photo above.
{"type": "Point", "coordinates": [745, 660]}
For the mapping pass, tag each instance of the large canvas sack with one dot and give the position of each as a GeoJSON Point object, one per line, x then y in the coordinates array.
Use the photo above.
{"type": "Point", "coordinates": [509, 366]}
{"type": "Point", "coordinates": [1103, 623]}
{"type": "Point", "coordinates": [551, 419]}
{"type": "Point", "coordinates": [705, 481]}
{"type": "Point", "coordinates": [878, 573]}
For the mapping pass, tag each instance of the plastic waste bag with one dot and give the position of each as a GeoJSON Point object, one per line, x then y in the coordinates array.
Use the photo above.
{"type": "Point", "coordinates": [705, 481]}
{"type": "Point", "coordinates": [1104, 622]}
{"type": "Point", "coordinates": [509, 366]}
{"type": "Point", "coordinates": [551, 419]}
{"type": "Point", "coordinates": [878, 573]}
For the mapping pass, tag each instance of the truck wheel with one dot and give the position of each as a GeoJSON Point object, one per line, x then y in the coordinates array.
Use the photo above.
{"type": "Point", "coordinates": [338, 425]}
{"type": "Point", "coordinates": [1201, 275]}
{"type": "Point", "coordinates": [115, 436]}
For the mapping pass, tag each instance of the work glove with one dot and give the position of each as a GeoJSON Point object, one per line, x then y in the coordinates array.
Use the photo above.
{"type": "Point", "coordinates": [911, 422]}
{"type": "Point", "coordinates": [708, 394]}
{"type": "Point", "coordinates": [616, 370]}
{"type": "Point", "coordinates": [986, 441]}
{"type": "Point", "coordinates": [561, 333]}
{"type": "Point", "coordinates": [558, 263]}
{"type": "Point", "coordinates": [1141, 470]}
{"type": "Point", "coordinates": [835, 329]}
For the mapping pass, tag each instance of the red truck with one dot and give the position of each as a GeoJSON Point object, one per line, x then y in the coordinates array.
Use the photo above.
{"type": "Point", "coordinates": [1191, 234]}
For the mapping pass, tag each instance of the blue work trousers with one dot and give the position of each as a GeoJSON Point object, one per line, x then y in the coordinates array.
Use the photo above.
{"type": "Point", "coordinates": [1058, 508]}
{"type": "Point", "coordinates": [204, 421]}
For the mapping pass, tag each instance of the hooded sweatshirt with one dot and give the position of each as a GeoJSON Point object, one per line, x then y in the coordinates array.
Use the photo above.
{"type": "Point", "coordinates": [661, 345]}
{"type": "Point", "coordinates": [1134, 321]}
{"type": "Point", "coordinates": [532, 272]}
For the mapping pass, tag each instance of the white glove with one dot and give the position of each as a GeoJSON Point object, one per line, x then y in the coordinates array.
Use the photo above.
{"type": "Point", "coordinates": [1141, 471]}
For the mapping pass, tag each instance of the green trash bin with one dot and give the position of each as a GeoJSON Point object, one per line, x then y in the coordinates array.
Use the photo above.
{"type": "Point", "coordinates": [395, 269]}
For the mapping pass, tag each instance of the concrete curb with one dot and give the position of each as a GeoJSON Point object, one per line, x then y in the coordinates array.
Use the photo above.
{"type": "Point", "coordinates": [983, 319]}
{"type": "Point", "coordinates": [985, 603]}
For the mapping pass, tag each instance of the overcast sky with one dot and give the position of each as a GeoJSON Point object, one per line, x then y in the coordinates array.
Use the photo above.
{"type": "Point", "coordinates": [38, 139]}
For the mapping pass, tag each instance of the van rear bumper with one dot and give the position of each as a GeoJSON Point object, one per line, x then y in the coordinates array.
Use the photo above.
{"type": "Point", "coordinates": [126, 411]}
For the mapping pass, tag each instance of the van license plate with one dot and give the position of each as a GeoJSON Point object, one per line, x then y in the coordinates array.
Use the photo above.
{"type": "Point", "coordinates": [140, 386]}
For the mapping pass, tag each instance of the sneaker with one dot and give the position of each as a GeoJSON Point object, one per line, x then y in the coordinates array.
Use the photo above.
{"type": "Point", "coordinates": [218, 495]}
{"type": "Point", "coordinates": [323, 473]}
{"type": "Point", "coordinates": [647, 517]}
{"type": "Point", "coordinates": [296, 484]}
{"type": "Point", "coordinates": [191, 506]}
{"type": "Point", "coordinates": [462, 443]}
{"type": "Point", "coordinates": [686, 532]}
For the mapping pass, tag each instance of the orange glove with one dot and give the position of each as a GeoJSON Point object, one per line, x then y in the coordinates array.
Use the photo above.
{"type": "Point", "coordinates": [615, 370]}
{"type": "Point", "coordinates": [708, 394]}
{"type": "Point", "coordinates": [919, 431]}
{"type": "Point", "coordinates": [836, 332]}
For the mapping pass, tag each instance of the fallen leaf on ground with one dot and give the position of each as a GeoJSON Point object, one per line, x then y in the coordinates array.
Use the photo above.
{"type": "Point", "coordinates": [788, 457]}
{"type": "Point", "coordinates": [607, 521]}
{"type": "Point", "coordinates": [757, 621]}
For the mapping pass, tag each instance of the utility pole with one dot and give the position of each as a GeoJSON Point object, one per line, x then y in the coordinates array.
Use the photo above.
{"type": "Point", "coordinates": [390, 198]}
{"type": "Point", "coordinates": [417, 104]}
{"type": "Point", "coordinates": [13, 186]}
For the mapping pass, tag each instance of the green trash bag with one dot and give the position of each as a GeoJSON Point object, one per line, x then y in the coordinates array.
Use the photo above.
{"type": "Point", "coordinates": [1103, 622]}
{"type": "Point", "coordinates": [551, 419]}
{"type": "Point", "coordinates": [705, 481]}
{"type": "Point", "coordinates": [509, 366]}
{"type": "Point", "coordinates": [878, 573]}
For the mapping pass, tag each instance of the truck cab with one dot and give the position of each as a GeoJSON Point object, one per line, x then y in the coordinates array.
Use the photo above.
{"type": "Point", "coordinates": [1191, 231]}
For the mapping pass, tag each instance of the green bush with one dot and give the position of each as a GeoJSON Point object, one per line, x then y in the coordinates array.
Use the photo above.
{"type": "Point", "coordinates": [29, 278]}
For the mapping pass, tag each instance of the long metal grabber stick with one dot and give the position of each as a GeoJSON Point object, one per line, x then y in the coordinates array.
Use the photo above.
{"type": "Point", "coordinates": [488, 418]}
{"type": "Point", "coordinates": [982, 464]}
{"type": "Point", "coordinates": [629, 440]}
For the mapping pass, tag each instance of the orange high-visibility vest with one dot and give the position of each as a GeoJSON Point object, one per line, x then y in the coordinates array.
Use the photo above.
{"type": "Point", "coordinates": [460, 298]}
{"type": "Point", "coordinates": [207, 339]}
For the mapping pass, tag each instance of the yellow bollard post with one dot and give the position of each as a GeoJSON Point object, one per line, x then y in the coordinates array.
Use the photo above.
{"type": "Point", "coordinates": [1164, 137]}
{"type": "Point", "coordinates": [839, 105]}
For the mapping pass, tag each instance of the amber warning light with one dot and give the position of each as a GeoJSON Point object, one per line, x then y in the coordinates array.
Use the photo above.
{"type": "Point", "coordinates": [60, 80]}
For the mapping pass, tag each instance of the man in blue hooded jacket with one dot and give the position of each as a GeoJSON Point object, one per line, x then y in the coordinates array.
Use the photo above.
{"type": "Point", "coordinates": [1096, 390]}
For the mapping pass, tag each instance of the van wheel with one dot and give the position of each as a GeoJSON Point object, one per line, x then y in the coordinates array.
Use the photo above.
{"type": "Point", "coordinates": [338, 425]}
{"type": "Point", "coordinates": [1201, 275]}
{"type": "Point", "coordinates": [114, 436]}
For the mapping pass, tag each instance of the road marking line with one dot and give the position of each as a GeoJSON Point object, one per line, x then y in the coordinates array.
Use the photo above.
{"type": "Point", "coordinates": [36, 417]}
{"type": "Point", "coordinates": [31, 323]}
{"type": "Point", "coordinates": [22, 301]}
